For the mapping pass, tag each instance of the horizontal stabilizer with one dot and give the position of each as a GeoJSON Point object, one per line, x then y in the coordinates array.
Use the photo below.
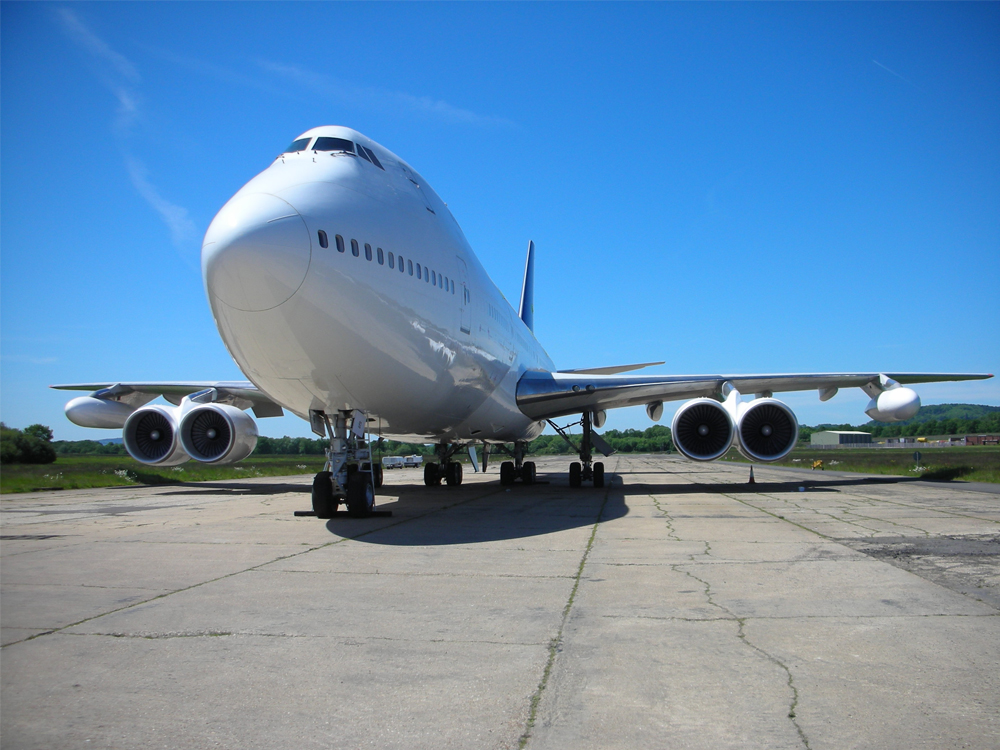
{"type": "Point", "coordinates": [613, 370]}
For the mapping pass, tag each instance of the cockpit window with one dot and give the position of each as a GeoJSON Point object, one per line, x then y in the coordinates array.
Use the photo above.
{"type": "Point", "coordinates": [333, 144]}
{"type": "Point", "coordinates": [363, 152]}
{"type": "Point", "coordinates": [299, 145]}
{"type": "Point", "coordinates": [371, 156]}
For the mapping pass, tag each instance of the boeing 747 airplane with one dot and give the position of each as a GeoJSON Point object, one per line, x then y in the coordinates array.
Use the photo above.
{"type": "Point", "coordinates": [347, 293]}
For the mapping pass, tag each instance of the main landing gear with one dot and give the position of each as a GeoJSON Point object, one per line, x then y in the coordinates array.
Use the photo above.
{"type": "Point", "coordinates": [444, 468]}
{"type": "Point", "coordinates": [511, 471]}
{"type": "Point", "coordinates": [585, 470]}
{"type": "Point", "coordinates": [350, 476]}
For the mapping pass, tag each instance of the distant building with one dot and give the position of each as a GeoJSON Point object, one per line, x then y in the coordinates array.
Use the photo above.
{"type": "Point", "coordinates": [840, 437]}
{"type": "Point", "coordinates": [982, 439]}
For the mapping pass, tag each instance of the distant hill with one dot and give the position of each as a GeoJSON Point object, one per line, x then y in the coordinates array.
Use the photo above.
{"type": "Point", "coordinates": [111, 441]}
{"type": "Point", "coordinates": [943, 412]}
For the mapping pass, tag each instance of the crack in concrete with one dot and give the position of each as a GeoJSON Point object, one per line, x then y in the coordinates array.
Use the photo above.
{"type": "Point", "coordinates": [555, 644]}
{"type": "Point", "coordinates": [255, 567]}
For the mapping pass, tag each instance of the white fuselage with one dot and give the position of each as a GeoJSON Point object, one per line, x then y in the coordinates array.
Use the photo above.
{"type": "Point", "coordinates": [433, 358]}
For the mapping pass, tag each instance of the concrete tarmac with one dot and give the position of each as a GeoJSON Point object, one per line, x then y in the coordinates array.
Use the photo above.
{"type": "Point", "coordinates": [676, 608]}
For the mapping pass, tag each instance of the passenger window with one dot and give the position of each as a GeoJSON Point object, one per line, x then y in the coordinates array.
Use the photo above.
{"type": "Point", "coordinates": [418, 271]}
{"type": "Point", "coordinates": [340, 243]}
{"type": "Point", "coordinates": [332, 144]}
{"type": "Point", "coordinates": [390, 260]}
{"type": "Point", "coordinates": [368, 251]}
{"type": "Point", "coordinates": [434, 280]}
{"type": "Point", "coordinates": [381, 257]}
{"type": "Point", "coordinates": [323, 241]}
{"type": "Point", "coordinates": [355, 250]}
{"type": "Point", "coordinates": [299, 145]}
{"type": "Point", "coordinates": [409, 264]}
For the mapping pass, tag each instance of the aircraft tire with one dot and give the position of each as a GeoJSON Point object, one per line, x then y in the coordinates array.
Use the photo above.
{"type": "Point", "coordinates": [323, 501]}
{"type": "Point", "coordinates": [378, 475]}
{"type": "Point", "coordinates": [599, 474]}
{"type": "Point", "coordinates": [453, 475]}
{"type": "Point", "coordinates": [575, 474]}
{"type": "Point", "coordinates": [432, 475]}
{"type": "Point", "coordinates": [507, 473]}
{"type": "Point", "coordinates": [360, 495]}
{"type": "Point", "coordinates": [528, 472]}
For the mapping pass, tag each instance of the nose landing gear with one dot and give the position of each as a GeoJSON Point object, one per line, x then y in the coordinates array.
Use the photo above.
{"type": "Point", "coordinates": [350, 476]}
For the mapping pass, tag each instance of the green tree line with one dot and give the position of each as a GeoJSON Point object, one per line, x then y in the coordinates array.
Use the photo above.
{"type": "Point", "coordinates": [32, 445]}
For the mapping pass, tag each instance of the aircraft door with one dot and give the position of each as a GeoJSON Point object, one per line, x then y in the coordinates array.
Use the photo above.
{"type": "Point", "coordinates": [419, 188]}
{"type": "Point", "coordinates": [465, 298]}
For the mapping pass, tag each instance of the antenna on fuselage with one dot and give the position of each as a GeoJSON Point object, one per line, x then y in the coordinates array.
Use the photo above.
{"type": "Point", "coordinates": [527, 310]}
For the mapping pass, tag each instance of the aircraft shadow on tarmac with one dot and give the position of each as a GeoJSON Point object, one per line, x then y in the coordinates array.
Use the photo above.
{"type": "Point", "coordinates": [234, 488]}
{"type": "Point", "coordinates": [766, 487]}
{"type": "Point", "coordinates": [471, 517]}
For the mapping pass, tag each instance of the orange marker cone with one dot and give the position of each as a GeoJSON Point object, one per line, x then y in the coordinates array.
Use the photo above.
{"type": "Point", "coordinates": [751, 477]}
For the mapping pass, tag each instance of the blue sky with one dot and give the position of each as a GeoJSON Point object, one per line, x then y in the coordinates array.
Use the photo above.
{"type": "Point", "coordinates": [732, 188]}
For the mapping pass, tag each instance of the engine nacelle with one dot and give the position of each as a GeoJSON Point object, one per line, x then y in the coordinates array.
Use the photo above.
{"type": "Point", "coordinates": [894, 405]}
{"type": "Point", "coordinates": [88, 411]}
{"type": "Point", "coordinates": [150, 436]}
{"type": "Point", "coordinates": [702, 429]}
{"type": "Point", "coordinates": [767, 429]}
{"type": "Point", "coordinates": [218, 434]}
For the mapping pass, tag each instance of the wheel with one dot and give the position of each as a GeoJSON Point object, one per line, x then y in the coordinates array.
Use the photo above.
{"type": "Point", "coordinates": [324, 505]}
{"type": "Point", "coordinates": [378, 476]}
{"type": "Point", "coordinates": [575, 472]}
{"type": "Point", "coordinates": [453, 475]}
{"type": "Point", "coordinates": [599, 474]}
{"type": "Point", "coordinates": [360, 494]}
{"type": "Point", "coordinates": [528, 472]}
{"type": "Point", "coordinates": [507, 473]}
{"type": "Point", "coordinates": [432, 477]}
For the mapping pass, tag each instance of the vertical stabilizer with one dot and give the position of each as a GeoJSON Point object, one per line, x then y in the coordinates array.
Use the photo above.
{"type": "Point", "coordinates": [527, 310]}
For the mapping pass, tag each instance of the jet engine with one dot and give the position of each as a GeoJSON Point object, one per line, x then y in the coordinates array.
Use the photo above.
{"type": "Point", "coordinates": [702, 429]}
{"type": "Point", "coordinates": [894, 405]}
{"type": "Point", "coordinates": [218, 434]}
{"type": "Point", "coordinates": [763, 429]}
{"type": "Point", "coordinates": [766, 429]}
{"type": "Point", "coordinates": [150, 436]}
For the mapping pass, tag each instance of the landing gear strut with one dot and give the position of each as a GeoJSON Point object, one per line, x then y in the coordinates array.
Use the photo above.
{"type": "Point", "coordinates": [444, 468]}
{"type": "Point", "coordinates": [511, 471]}
{"type": "Point", "coordinates": [349, 476]}
{"type": "Point", "coordinates": [586, 469]}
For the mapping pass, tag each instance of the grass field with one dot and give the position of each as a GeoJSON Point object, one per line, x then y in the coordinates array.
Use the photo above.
{"type": "Point", "coordinates": [970, 464]}
{"type": "Point", "coordinates": [80, 472]}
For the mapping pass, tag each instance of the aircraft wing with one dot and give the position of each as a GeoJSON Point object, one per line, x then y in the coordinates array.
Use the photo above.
{"type": "Point", "coordinates": [240, 393]}
{"type": "Point", "coordinates": [547, 395]}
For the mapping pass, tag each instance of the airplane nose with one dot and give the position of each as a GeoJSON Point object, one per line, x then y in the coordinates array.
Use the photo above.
{"type": "Point", "coordinates": [256, 252]}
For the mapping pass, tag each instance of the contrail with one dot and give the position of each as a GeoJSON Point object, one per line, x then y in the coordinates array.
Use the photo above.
{"type": "Point", "coordinates": [905, 80]}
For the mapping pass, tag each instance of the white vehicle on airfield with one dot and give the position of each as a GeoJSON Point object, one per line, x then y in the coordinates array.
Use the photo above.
{"type": "Point", "coordinates": [347, 293]}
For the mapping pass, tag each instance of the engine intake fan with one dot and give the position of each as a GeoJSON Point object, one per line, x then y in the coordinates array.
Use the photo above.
{"type": "Point", "coordinates": [150, 436]}
{"type": "Point", "coordinates": [702, 429]}
{"type": "Point", "coordinates": [767, 430]}
{"type": "Point", "coordinates": [218, 434]}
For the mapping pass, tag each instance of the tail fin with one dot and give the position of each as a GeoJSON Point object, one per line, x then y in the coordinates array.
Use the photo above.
{"type": "Point", "coordinates": [527, 310]}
